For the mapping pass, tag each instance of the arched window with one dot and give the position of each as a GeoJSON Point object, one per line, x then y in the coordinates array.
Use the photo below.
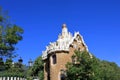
{"type": "Point", "coordinates": [54, 60]}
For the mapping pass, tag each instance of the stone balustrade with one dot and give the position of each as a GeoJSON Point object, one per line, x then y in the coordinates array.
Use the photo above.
{"type": "Point", "coordinates": [12, 78]}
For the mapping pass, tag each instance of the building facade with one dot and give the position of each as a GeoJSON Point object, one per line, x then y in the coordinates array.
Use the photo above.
{"type": "Point", "coordinates": [58, 53]}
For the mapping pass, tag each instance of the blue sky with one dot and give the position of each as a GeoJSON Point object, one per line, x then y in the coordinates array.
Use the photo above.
{"type": "Point", "coordinates": [98, 21]}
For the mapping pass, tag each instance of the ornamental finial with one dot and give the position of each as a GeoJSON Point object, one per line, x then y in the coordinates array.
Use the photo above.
{"type": "Point", "coordinates": [64, 26]}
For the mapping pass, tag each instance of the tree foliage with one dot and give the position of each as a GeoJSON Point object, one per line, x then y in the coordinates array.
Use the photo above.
{"type": "Point", "coordinates": [2, 67]}
{"type": "Point", "coordinates": [87, 68]}
{"type": "Point", "coordinates": [10, 35]}
{"type": "Point", "coordinates": [37, 69]}
{"type": "Point", "coordinates": [9, 69]}
{"type": "Point", "coordinates": [81, 68]}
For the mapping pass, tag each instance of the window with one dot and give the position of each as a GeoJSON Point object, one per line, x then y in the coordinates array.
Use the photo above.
{"type": "Point", "coordinates": [54, 59]}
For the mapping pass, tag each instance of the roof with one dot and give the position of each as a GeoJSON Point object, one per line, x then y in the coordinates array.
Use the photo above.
{"type": "Point", "coordinates": [63, 42]}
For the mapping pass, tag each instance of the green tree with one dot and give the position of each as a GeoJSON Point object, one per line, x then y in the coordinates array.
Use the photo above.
{"type": "Point", "coordinates": [8, 64]}
{"type": "Point", "coordinates": [10, 35]}
{"type": "Point", "coordinates": [37, 69]}
{"type": "Point", "coordinates": [2, 64]}
{"type": "Point", "coordinates": [81, 68]}
{"type": "Point", "coordinates": [84, 67]}
{"type": "Point", "coordinates": [109, 71]}
{"type": "Point", "coordinates": [11, 69]}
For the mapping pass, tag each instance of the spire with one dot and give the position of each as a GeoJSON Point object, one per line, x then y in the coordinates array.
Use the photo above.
{"type": "Point", "coordinates": [64, 30]}
{"type": "Point", "coordinates": [64, 26]}
{"type": "Point", "coordinates": [30, 62]}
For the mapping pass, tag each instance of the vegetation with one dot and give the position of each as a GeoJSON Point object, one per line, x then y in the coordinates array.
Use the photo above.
{"type": "Point", "coordinates": [10, 69]}
{"type": "Point", "coordinates": [87, 68]}
{"type": "Point", "coordinates": [10, 35]}
{"type": "Point", "coordinates": [36, 70]}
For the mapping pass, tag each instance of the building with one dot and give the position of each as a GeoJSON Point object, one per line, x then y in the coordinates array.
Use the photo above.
{"type": "Point", "coordinates": [58, 53]}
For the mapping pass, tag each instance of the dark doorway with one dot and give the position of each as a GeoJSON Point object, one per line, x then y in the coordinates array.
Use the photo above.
{"type": "Point", "coordinates": [62, 77]}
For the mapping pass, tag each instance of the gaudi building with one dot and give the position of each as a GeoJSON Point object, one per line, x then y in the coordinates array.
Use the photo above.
{"type": "Point", "coordinates": [58, 53]}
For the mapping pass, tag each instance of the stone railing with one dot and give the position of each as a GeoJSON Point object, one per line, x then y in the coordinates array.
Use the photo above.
{"type": "Point", "coordinates": [12, 78]}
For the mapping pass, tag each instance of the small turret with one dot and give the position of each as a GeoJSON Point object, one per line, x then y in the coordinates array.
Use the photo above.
{"type": "Point", "coordinates": [30, 62]}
